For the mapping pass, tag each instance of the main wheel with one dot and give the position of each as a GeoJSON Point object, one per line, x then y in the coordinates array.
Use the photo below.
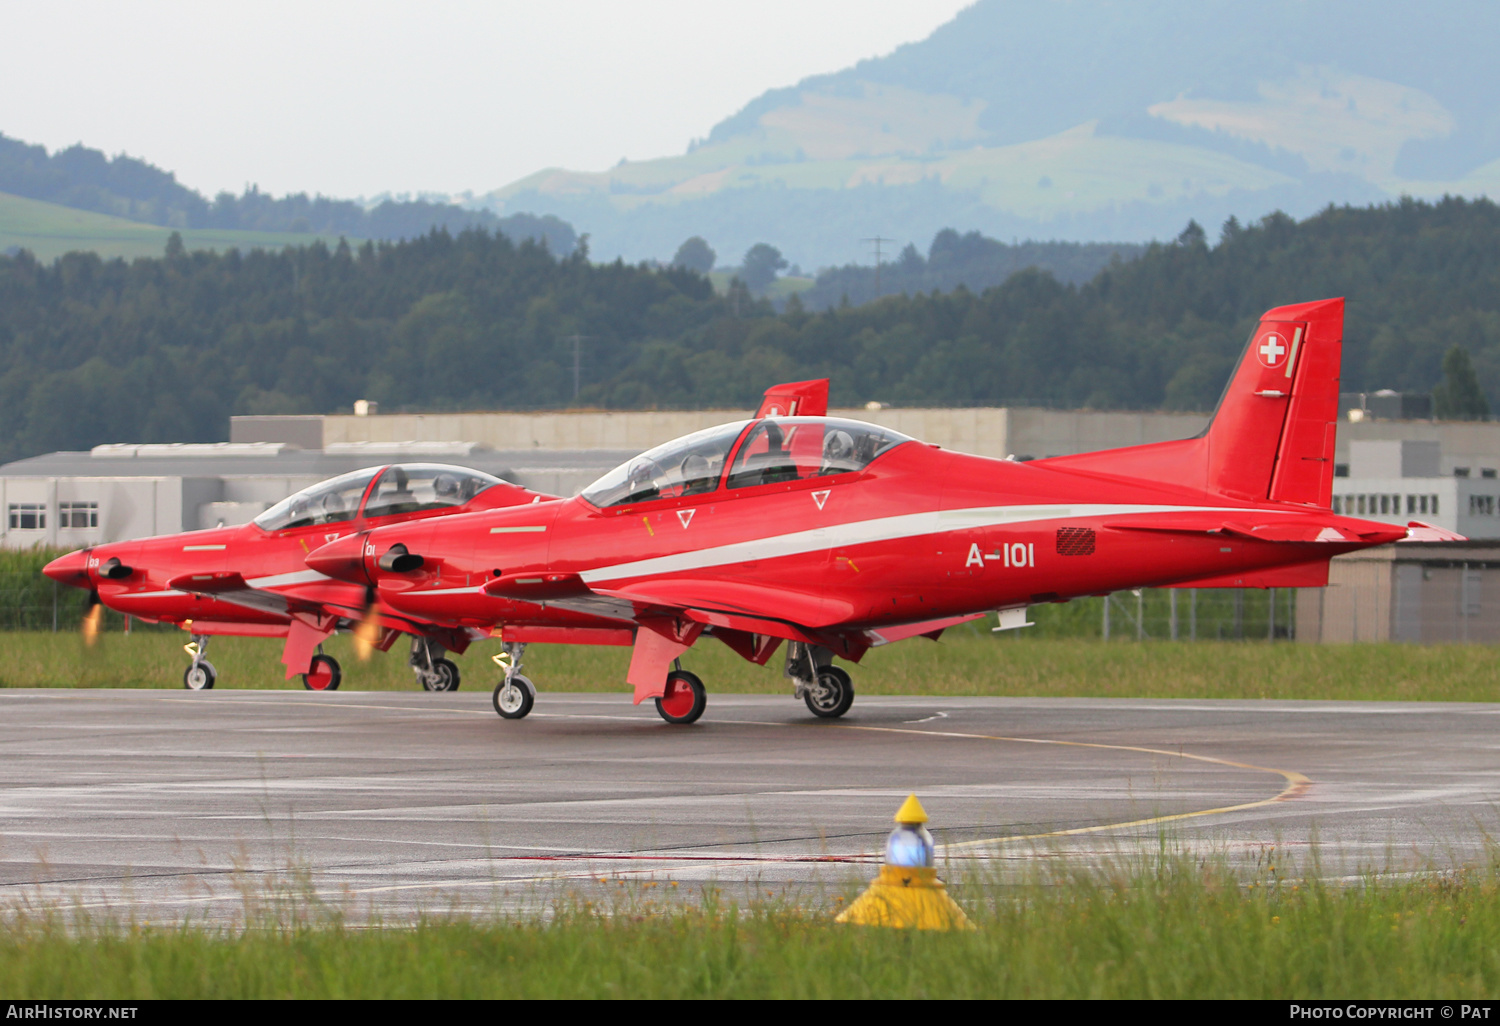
{"type": "Point", "coordinates": [831, 695]}
{"type": "Point", "coordinates": [684, 699]}
{"type": "Point", "coordinates": [444, 676]}
{"type": "Point", "coordinates": [200, 676]}
{"type": "Point", "coordinates": [324, 674]}
{"type": "Point", "coordinates": [514, 698]}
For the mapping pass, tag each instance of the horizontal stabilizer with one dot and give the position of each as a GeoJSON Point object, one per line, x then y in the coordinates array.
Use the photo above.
{"type": "Point", "coordinates": [1416, 531]}
{"type": "Point", "coordinates": [1299, 575]}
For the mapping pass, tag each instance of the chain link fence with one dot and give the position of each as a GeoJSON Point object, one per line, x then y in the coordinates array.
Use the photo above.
{"type": "Point", "coordinates": [1171, 614]}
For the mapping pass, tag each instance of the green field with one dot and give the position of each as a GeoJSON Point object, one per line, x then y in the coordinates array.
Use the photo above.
{"type": "Point", "coordinates": [49, 231]}
{"type": "Point", "coordinates": [968, 661]}
{"type": "Point", "coordinates": [1168, 927]}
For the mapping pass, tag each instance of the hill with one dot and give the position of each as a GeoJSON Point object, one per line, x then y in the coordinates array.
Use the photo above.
{"type": "Point", "coordinates": [1076, 120]}
{"type": "Point", "coordinates": [166, 349]}
{"type": "Point", "coordinates": [48, 230]}
{"type": "Point", "coordinates": [132, 190]}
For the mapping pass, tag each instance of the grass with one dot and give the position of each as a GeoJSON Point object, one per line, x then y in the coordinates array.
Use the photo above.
{"type": "Point", "coordinates": [1167, 927]}
{"type": "Point", "coordinates": [49, 230]}
{"type": "Point", "coordinates": [968, 661]}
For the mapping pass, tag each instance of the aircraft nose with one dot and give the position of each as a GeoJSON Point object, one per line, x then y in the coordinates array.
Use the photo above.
{"type": "Point", "coordinates": [342, 559]}
{"type": "Point", "coordinates": [70, 569]}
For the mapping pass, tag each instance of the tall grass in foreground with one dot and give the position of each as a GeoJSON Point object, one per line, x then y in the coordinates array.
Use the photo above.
{"type": "Point", "coordinates": [967, 661]}
{"type": "Point", "coordinates": [1167, 928]}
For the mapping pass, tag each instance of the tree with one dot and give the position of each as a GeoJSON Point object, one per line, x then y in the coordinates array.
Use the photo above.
{"type": "Point", "coordinates": [762, 261]}
{"type": "Point", "coordinates": [695, 255]}
{"type": "Point", "coordinates": [1459, 396]}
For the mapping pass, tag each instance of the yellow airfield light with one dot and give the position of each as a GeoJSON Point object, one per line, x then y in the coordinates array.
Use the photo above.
{"type": "Point", "coordinates": [907, 895]}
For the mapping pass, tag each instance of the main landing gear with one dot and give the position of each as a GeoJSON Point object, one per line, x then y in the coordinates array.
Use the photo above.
{"type": "Point", "coordinates": [515, 694]}
{"type": "Point", "coordinates": [826, 689]}
{"type": "Point", "coordinates": [433, 672]}
{"type": "Point", "coordinates": [200, 674]}
{"type": "Point", "coordinates": [323, 675]}
{"type": "Point", "coordinates": [685, 697]}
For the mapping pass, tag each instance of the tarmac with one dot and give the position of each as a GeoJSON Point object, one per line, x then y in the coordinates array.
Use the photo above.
{"type": "Point", "coordinates": [221, 806]}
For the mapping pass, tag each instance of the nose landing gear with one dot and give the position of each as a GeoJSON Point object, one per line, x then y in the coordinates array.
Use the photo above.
{"type": "Point", "coordinates": [200, 674]}
{"type": "Point", "coordinates": [515, 694]}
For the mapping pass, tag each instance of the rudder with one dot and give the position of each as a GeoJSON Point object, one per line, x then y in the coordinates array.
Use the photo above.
{"type": "Point", "coordinates": [1272, 436]}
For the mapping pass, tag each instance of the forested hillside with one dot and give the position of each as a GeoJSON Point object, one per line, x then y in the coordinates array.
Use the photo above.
{"type": "Point", "coordinates": [971, 260]}
{"type": "Point", "coordinates": [167, 349]}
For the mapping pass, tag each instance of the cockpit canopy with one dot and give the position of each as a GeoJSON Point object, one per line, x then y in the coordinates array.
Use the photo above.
{"type": "Point", "coordinates": [404, 488]}
{"type": "Point", "coordinates": [769, 451]}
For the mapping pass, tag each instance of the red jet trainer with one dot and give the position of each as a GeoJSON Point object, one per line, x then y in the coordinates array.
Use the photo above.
{"type": "Point", "coordinates": [834, 536]}
{"type": "Point", "coordinates": [251, 580]}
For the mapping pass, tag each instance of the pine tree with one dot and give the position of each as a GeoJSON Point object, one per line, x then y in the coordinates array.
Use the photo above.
{"type": "Point", "coordinates": [1459, 396]}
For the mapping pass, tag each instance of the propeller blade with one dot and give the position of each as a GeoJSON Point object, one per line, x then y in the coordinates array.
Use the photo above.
{"type": "Point", "coordinates": [93, 619]}
{"type": "Point", "coordinates": [367, 634]}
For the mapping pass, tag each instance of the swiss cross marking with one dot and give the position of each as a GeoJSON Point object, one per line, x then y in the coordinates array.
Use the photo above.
{"type": "Point", "coordinates": [1271, 350]}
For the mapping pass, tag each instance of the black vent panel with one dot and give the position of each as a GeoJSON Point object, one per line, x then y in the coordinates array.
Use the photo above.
{"type": "Point", "coordinates": [1075, 541]}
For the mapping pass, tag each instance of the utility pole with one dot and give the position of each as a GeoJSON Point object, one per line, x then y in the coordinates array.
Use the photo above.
{"type": "Point", "coordinates": [576, 340]}
{"type": "Point", "coordinates": [878, 241]}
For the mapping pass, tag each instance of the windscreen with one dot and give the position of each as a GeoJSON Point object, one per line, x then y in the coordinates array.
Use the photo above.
{"type": "Point", "coordinates": [327, 502]}
{"type": "Point", "coordinates": [690, 465]}
{"type": "Point", "coordinates": [797, 448]}
{"type": "Point", "coordinates": [415, 487]}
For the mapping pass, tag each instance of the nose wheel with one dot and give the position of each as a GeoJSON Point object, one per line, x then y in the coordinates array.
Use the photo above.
{"type": "Point", "coordinates": [685, 698]}
{"type": "Point", "coordinates": [514, 698]}
{"type": "Point", "coordinates": [515, 694]}
{"type": "Point", "coordinates": [200, 674]}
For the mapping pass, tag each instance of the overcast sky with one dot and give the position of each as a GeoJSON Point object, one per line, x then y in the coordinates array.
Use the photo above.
{"type": "Point", "coordinates": [354, 99]}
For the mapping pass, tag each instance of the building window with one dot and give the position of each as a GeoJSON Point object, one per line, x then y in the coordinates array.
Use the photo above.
{"type": "Point", "coordinates": [1422, 504]}
{"type": "Point", "coordinates": [1481, 505]}
{"type": "Point", "coordinates": [28, 516]}
{"type": "Point", "coordinates": [1434, 505]}
{"type": "Point", "coordinates": [1385, 504]}
{"type": "Point", "coordinates": [1460, 471]}
{"type": "Point", "coordinates": [1487, 472]}
{"type": "Point", "coordinates": [1338, 504]}
{"type": "Point", "coordinates": [77, 514]}
{"type": "Point", "coordinates": [1341, 470]}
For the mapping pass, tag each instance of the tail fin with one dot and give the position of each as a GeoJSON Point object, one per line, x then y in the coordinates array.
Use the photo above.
{"type": "Point", "coordinates": [1272, 436]}
{"type": "Point", "coordinates": [795, 399]}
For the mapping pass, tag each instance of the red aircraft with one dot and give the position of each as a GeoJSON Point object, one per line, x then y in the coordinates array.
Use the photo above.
{"type": "Point", "coordinates": [834, 536]}
{"type": "Point", "coordinates": [251, 580]}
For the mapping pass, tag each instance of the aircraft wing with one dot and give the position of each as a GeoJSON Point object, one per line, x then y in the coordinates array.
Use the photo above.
{"type": "Point", "coordinates": [1296, 531]}
{"type": "Point", "coordinates": [738, 604]}
{"type": "Point", "coordinates": [230, 586]}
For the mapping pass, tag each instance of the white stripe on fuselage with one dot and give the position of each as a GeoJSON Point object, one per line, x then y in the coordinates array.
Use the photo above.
{"type": "Point", "coordinates": [882, 529]}
{"type": "Point", "coordinates": [273, 581]}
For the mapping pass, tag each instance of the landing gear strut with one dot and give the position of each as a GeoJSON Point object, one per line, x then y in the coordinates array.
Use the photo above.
{"type": "Point", "coordinates": [515, 694]}
{"type": "Point", "coordinates": [200, 674]}
{"type": "Point", "coordinates": [433, 672]}
{"type": "Point", "coordinates": [825, 688]}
